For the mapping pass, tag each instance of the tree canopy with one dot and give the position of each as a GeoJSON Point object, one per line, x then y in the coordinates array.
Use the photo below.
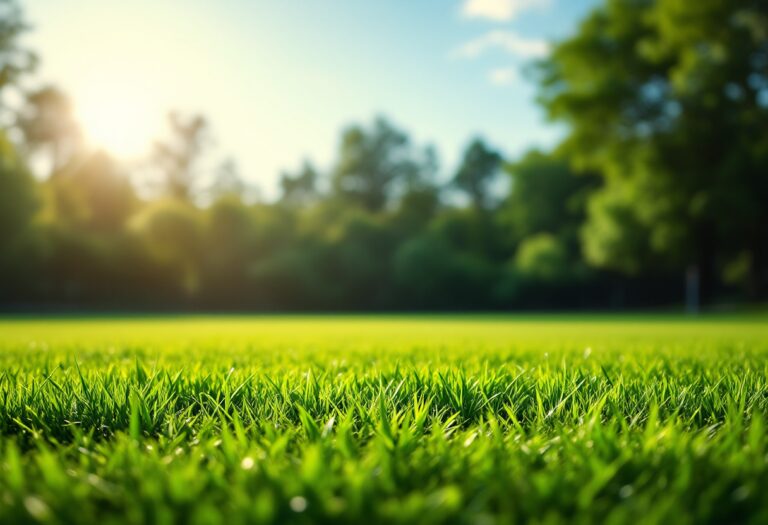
{"type": "Point", "coordinates": [668, 99]}
{"type": "Point", "coordinates": [662, 172]}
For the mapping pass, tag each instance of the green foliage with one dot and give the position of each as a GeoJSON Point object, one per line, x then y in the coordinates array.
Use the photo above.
{"type": "Point", "coordinates": [431, 274]}
{"type": "Point", "coordinates": [469, 230]}
{"type": "Point", "coordinates": [374, 165]}
{"type": "Point", "coordinates": [290, 279]}
{"type": "Point", "coordinates": [547, 197]}
{"type": "Point", "coordinates": [18, 204]}
{"type": "Point", "coordinates": [229, 238]}
{"type": "Point", "coordinates": [18, 199]}
{"type": "Point", "coordinates": [385, 419]}
{"type": "Point", "coordinates": [667, 99]}
{"type": "Point", "coordinates": [662, 168]}
{"type": "Point", "coordinates": [615, 237]}
{"type": "Point", "coordinates": [227, 182]}
{"type": "Point", "coordinates": [417, 208]}
{"type": "Point", "coordinates": [90, 193]}
{"type": "Point", "coordinates": [48, 123]}
{"type": "Point", "coordinates": [300, 189]}
{"type": "Point", "coordinates": [177, 158]}
{"type": "Point", "coordinates": [477, 171]}
{"type": "Point", "coordinates": [172, 232]}
{"type": "Point", "coordinates": [543, 258]}
{"type": "Point", "coordinates": [17, 193]}
{"type": "Point", "coordinates": [15, 59]}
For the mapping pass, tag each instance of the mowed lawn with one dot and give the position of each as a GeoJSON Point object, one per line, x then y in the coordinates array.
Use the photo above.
{"type": "Point", "coordinates": [384, 419]}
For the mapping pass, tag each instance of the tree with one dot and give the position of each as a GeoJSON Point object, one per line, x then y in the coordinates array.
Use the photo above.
{"type": "Point", "coordinates": [178, 158]}
{"type": "Point", "coordinates": [227, 182]}
{"type": "Point", "coordinates": [615, 236]}
{"type": "Point", "coordinates": [668, 99]}
{"type": "Point", "coordinates": [543, 257]}
{"type": "Point", "coordinates": [359, 259]}
{"type": "Point", "coordinates": [18, 201]}
{"type": "Point", "coordinates": [15, 60]}
{"type": "Point", "coordinates": [18, 204]}
{"type": "Point", "coordinates": [374, 165]}
{"type": "Point", "coordinates": [172, 232]}
{"type": "Point", "coordinates": [420, 201]}
{"type": "Point", "coordinates": [229, 233]}
{"type": "Point", "coordinates": [300, 189]}
{"type": "Point", "coordinates": [546, 196]}
{"type": "Point", "coordinates": [477, 171]}
{"type": "Point", "coordinates": [416, 209]}
{"type": "Point", "coordinates": [430, 273]}
{"type": "Point", "coordinates": [87, 254]}
{"type": "Point", "coordinates": [91, 193]}
{"type": "Point", "coordinates": [49, 126]}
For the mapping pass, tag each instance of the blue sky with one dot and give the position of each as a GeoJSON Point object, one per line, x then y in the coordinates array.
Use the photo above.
{"type": "Point", "coordinates": [278, 80]}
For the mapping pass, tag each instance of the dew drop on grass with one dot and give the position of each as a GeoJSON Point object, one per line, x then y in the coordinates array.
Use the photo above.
{"type": "Point", "coordinates": [247, 463]}
{"type": "Point", "coordinates": [36, 507]}
{"type": "Point", "coordinates": [740, 494]}
{"type": "Point", "coordinates": [298, 504]}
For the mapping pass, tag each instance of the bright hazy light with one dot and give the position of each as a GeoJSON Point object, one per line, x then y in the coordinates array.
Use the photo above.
{"type": "Point", "coordinates": [118, 119]}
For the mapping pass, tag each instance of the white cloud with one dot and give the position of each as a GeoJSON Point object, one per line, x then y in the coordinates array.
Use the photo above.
{"type": "Point", "coordinates": [499, 10]}
{"type": "Point", "coordinates": [508, 42]}
{"type": "Point", "coordinates": [503, 76]}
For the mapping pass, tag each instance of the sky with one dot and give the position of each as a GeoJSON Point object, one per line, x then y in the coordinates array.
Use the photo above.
{"type": "Point", "coordinates": [279, 80]}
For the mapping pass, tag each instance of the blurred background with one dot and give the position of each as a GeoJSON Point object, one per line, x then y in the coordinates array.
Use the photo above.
{"type": "Point", "coordinates": [340, 155]}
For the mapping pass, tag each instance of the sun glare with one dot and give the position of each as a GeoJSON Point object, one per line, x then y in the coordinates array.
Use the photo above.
{"type": "Point", "coordinates": [117, 119]}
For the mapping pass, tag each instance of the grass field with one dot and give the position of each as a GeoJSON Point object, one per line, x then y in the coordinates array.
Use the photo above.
{"type": "Point", "coordinates": [385, 419]}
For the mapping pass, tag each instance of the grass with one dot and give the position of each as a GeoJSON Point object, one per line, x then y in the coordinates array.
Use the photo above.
{"type": "Point", "coordinates": [443, 419]}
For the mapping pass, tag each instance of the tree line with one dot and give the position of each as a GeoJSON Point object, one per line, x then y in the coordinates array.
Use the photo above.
{"type": "Point", "coordinates": [663, 174]}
